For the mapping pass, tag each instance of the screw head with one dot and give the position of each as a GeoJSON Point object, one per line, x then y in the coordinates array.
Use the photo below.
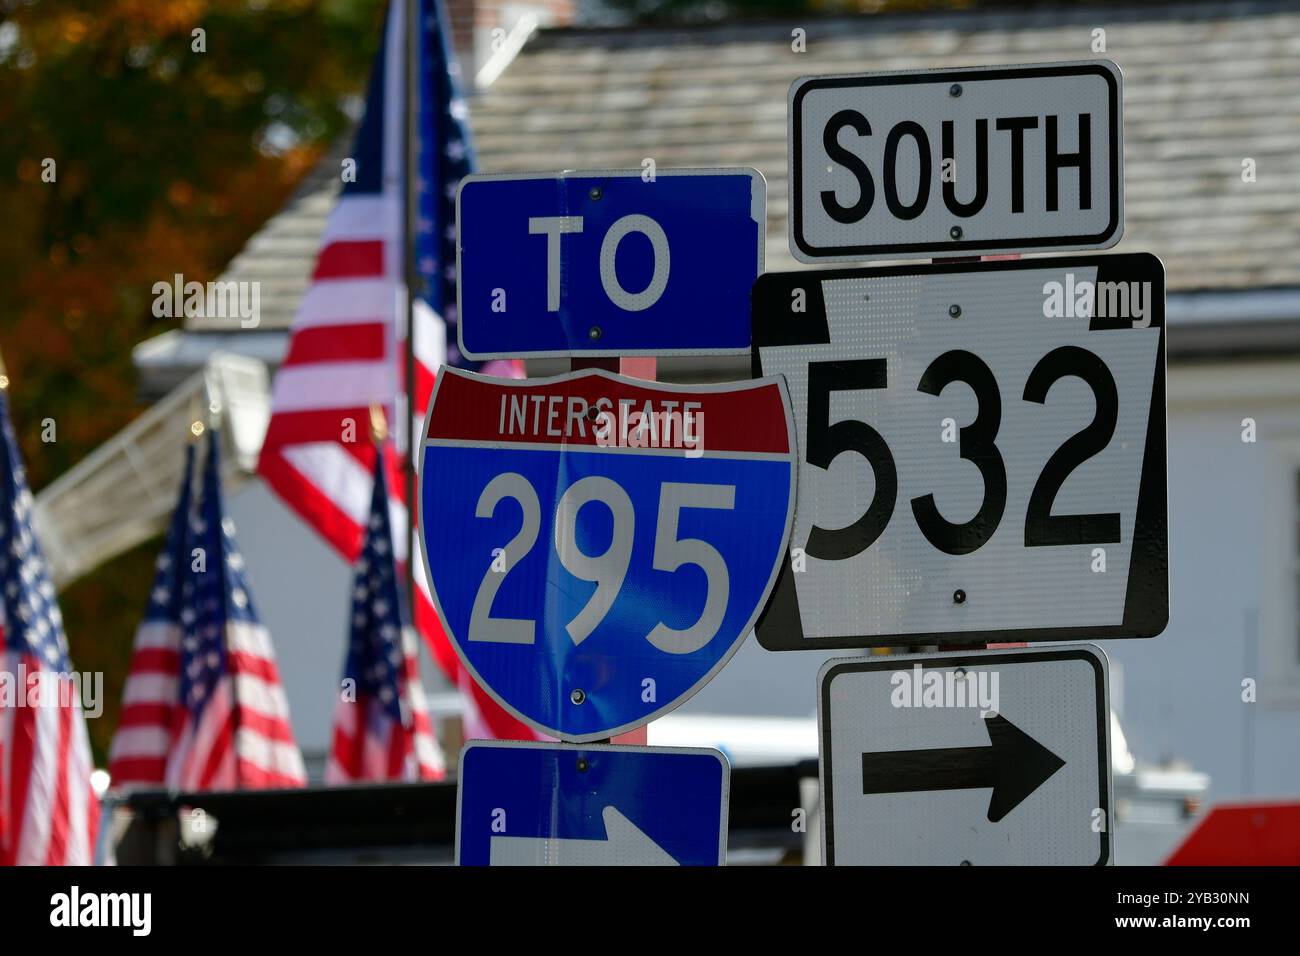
{"type": "Point", "coordinates": [578, 695]}
{"type": "Point", "coordinates": [954, 310]}
{"type": "Point", "coordinates": [965, 863]}
{"type": "Point", "coordinates": [593, 413]}
{"type": "Point", "coordinates": [959, 673]}
{"type": "Point", "coordinates": [593, 333]}
{"type": "Point", "coordinates": [954, 90]}
{"type": "Point", "coordinates": [955, 232]}
{"type": "Point", "coordinates": [959, 596]}
{"type": "Point", "coordinates": [596, 192]}
{"type": "Point", "coordinates": [583, 765]}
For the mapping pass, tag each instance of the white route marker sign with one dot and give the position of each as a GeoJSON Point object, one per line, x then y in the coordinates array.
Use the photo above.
{"type": "Point", "coordinates": [956, 162]}
{"type": "Point", "coordinates": [975, 758]}
{"type": "Point", "coordinates": [982, 451]}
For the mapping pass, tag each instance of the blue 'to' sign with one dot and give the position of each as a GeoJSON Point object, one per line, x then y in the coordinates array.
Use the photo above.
{"type": "Point", "coordinates": [597, 546]}
{"type": "Point", "coordinates": [609, 262]}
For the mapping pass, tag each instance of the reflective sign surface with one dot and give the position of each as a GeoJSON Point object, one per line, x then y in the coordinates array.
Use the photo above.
{"type": "Point", "coordinates": [599, 546]}
{"type": "Point", "coordinates": [982, 451]}
{"type": "Point", "coordinates": [956, 162]}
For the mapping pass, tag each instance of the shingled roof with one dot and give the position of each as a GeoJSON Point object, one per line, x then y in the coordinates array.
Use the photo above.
{"type": "Point", "coordinates": [1206, 85]}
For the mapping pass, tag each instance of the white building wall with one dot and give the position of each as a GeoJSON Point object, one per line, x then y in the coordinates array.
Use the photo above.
{"type": "Point", "coordinates": [1234, 590]}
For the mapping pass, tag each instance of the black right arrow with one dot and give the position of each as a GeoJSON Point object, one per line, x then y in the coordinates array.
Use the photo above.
{"type": "Point", "coordinates": [1014, 765]}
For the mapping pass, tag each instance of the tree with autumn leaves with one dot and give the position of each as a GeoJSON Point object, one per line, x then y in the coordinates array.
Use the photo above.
{"type": "Point", "coordinates": [139, 139]}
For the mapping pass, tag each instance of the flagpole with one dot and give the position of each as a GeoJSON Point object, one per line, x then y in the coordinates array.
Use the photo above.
{"type": "Point", "coordinates": [409, 140]}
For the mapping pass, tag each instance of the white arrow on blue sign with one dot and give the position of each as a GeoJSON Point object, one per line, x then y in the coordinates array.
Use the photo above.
{"type": "Point", "coordinates": [608, 262]}
{"type": "Point", "coordinates": [534, 804]}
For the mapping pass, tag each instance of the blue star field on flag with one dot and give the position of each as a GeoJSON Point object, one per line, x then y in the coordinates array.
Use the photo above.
{"type": "Point", "coordinates": [445, 154]}
{"type": "Point", "coordinates": [33, 622]}
{"type": "Point", "coordinates": [215, 593]}
{"type": "Point", "coordinates": [375, 659]}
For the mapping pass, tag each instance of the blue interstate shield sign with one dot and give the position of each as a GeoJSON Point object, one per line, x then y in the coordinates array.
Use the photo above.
{"type": "Point", "coordinates": [599, 546]}
{"type": "Point", "coordinates": [609, 262]}
{"type": "Point", "coordinates": [531, 804]}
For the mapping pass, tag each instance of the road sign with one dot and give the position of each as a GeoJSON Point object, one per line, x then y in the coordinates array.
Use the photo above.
{"type": "Point", "coordinates": [983, 451]}
{"type": "Point", "coordinates": [533, 804]}
{"type": "Point", "coordinates": [948, 162]}
{"type": "Point", "coordinates": [598, 546]}
{"type": "Point", "coordinates": [979, 758]}
{"type": "Point", "coordinates": [608, 262]}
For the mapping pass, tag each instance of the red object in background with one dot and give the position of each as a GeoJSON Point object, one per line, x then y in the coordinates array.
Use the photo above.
{"type": "Point", "coordinates": [1245, 834]}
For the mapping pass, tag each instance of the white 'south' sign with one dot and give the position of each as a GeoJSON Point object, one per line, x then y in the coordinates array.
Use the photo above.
{"type": "Point", "coordinates": [981, 451]}
{"type": "Point", "coordinates": [978, 758]}
{"type": "Point", "coordinates": [960, 161]}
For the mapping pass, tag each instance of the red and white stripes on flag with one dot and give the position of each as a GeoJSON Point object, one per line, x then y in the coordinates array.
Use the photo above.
{"type": "Point", "coordinates": [203, 708]}
{"type": "Point", "coordinates": [233, 729]}
{"type": "Point", "coordinates": [149, 703]}
{"type": "Point", "coordinates": [347, 353]}
{"type": "Point", "coordinates": [382, 729]}
{"type": "Point", "coordinates": [242, 739]}
{"type": "Point", "coordinates": [229, 716]}
{"type": "Point", "coordinates": [367, 747]}
{"type": "Point", "coordinates": [49, 814]}
{"type": "Point", "coordinates": [151, 696]}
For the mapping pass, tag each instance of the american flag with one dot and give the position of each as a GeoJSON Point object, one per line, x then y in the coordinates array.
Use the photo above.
{"type": "Point", "coordinates": [381, 721]}
{"type": "Point", "coordinates": [232, 730]}
{"type": "Point", "coordinates": [347, 350]}
{"type": "Point", "coordinates": [48, 812]}
{"type": "Point", "coordinates": [151, 697]}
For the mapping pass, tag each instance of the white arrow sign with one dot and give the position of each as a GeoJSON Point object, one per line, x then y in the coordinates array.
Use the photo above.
{"type": "Point", "coordinates": [624, 845]}
{"type": "Point", "coordinates": [982, 758]}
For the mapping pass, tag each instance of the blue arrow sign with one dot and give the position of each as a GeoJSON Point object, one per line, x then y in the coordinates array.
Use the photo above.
{"type": "Point", "coordinates": [610, 262]}
{"type": "Point", "coordinates": [534, 804]}
{"type": "Point", "coordinates": [599, 546]}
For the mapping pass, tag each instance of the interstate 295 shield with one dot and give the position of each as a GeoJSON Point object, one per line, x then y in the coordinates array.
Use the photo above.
{"type": "Point", "coordinates": [599, 546]}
